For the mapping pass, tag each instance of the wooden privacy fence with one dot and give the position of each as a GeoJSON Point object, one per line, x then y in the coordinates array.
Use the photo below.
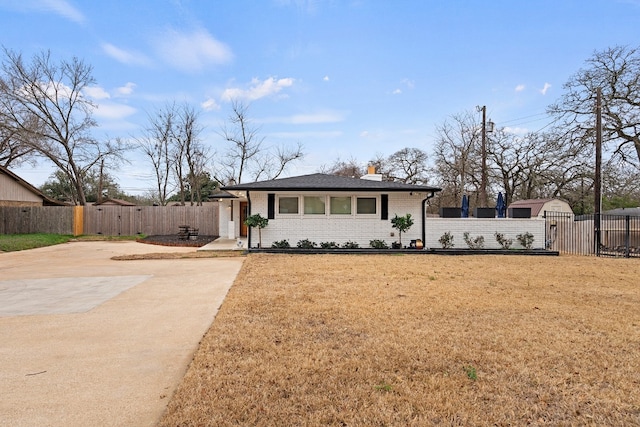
{"type": "Point", "coordinates": [37, 219]}
{"type": "Point", "coordinates": [109, 220]}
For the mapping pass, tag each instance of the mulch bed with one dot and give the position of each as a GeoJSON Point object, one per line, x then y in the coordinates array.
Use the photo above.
{"type": "Point", "coordinates": [175, 240]}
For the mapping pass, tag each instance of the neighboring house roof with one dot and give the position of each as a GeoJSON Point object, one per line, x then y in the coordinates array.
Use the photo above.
{"type": "Point", "coordinates": [46, 200]}
{"type": "Point", "coordinates": [623, 211]}
{"type": "Point", "coordinates": [220, 194]}
{"type": "Point", "coordinates": [118, 202]}
{"type": "Point", "coordinates": [324, 182]}
{"type": "Point", "coordinates": [536, 205]}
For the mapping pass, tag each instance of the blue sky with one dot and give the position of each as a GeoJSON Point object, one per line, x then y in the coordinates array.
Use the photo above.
{"type": "Point", "coordinates": [350, 78]}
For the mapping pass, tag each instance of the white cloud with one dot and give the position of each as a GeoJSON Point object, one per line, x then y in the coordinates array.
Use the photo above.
{"type": "Point", "coordinates": [364, 134]}
{"type": "Point", "coordinates": [520, 88]}
{"type": "Point", "coordinates": [96, 92]}
{"type": "Point", "coordinates": [112, 111]}
{"type": "Point", "coordinates": [397, 92]}
{"type": "Point", "coordinates": [209, 105]}
{"type": "Point", "coordinates": [516, 130]}
{"type": "Point", "coordinates": [410, 84]}
{"type": "Point", "coordinates": [308, 135]}
{"type": "Point", "coordinates": [325, 78]}
{"type": "Point", "coordinates": [124, 56]}
{"type": "Point", "coordinates": [545, 88]}
{"type": "Point", "coordinates": [191, 52]}
{"type": "Point", "coordinates": [126, 89]}
{"type": "Point", "coordinates": [258, 89]}
{"type": "Point", "coordinates": [315, 118]}
{"type": "Point", "coordinates": [328, 117]}
{"type": "Point", "coordinates": [62, 8]}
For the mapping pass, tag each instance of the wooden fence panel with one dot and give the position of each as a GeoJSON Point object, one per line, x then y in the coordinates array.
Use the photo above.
{"type": "Point", "coordinates": [150, 220]}
{"type": "Point", "coordinates": [36, 219]}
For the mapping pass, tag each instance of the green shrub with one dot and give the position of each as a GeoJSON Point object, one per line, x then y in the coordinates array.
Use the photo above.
{"type": "Point", "coordinates": [350, 245]}
{"type": "Point", "coordinates": [503, 241]}
{"type": "Point", "coordinates": [281, 244]}
{"type": "Point", "coordinates": [329, 245]}
{"type": "Point", "coordinates": [306, 244]}
{"type": "Point", "coordinates": [526, 240]}
{"type": "Point", "coordinates": [446, 240]}
{"type": "Point", "coordinates": [378, 244]}
{"type": "Point", "coordinates": [476, 243]}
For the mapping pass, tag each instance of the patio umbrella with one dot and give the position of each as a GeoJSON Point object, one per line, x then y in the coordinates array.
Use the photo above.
{"type": "Point", "coordinates": [464, 212]}
{"type": "Point", "coordinates": [500, 205]}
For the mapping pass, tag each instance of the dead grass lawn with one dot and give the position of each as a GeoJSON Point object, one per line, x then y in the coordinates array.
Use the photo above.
{"type": "Point", "coordinates": [415, 340]}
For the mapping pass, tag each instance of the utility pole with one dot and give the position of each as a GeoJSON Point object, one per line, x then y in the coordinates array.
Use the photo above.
{"type": "Point", "coordinates": [597, 185]}
{"type": "Point", "coordinates": [483, 179]}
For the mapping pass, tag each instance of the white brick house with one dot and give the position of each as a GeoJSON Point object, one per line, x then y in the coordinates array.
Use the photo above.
{"type": "Point", "coordinates": [325, 208]}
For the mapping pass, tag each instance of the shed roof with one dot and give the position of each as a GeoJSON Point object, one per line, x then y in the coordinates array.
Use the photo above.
{"type": "Point", "coordinates": [325, 182]}
{"type": "Point", "coordinates": [536, 205]}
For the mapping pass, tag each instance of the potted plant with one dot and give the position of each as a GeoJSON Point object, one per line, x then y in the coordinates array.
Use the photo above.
{"type": "Point", "coordinates": [402, 224]}
{"type": "Point", "coordinates": [257, 221]}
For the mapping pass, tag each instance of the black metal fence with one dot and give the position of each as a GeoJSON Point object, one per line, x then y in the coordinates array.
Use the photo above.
{"type": "Point", "coordinates": [596, 235]}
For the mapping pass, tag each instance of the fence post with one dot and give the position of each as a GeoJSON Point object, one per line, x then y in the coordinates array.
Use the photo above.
{"type": "Point", "coordinates": [78, 220]}
{"type": "Point", "coordinates": [627, 236]}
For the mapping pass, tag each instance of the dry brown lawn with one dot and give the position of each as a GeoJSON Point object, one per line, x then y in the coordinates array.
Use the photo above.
{"type": "Point", "coordinates": [415, 340]}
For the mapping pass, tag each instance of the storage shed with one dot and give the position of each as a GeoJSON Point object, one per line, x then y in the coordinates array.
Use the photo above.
{"type": "Point", "coordinates": [540, 206]}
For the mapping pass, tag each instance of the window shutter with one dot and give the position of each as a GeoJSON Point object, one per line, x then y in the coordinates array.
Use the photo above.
{"type": "Point", "coordinates": [271, 206]}
{"type": "Point", "coordinates": [384, 206]}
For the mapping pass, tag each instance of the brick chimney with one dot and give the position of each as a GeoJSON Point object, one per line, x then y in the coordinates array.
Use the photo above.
{"type": "Point", "coordinates": [372, 175]}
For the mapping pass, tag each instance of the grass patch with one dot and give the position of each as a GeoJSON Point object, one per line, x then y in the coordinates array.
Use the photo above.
{"type": "Point", "coordinates": [372, 341]}
{"type": "Point", "coordinates": [103, 238]}
{"type": "Point", "coordinates": [20, 242]}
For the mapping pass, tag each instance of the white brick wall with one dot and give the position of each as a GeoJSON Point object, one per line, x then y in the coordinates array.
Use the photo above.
{"type": "Point", "coordinates": [486, 227]}
{"type": "Point", "coordinates": [338, 228]}
{"type": "Point", "coordinates": [362, 229]}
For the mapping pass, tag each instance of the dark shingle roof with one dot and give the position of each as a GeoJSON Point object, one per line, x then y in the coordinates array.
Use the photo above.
{"type": "Point", "coordinates": [624, 211]}
{"type": "Point", "coordinates": [324, 182]}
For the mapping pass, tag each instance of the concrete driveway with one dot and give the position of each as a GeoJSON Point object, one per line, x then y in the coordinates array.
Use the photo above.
{"type": "Point", "coordinates": [89, 341]}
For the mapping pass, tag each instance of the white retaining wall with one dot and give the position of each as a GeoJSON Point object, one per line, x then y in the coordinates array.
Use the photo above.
{"type": "Point", "coordinates": [486, 227]}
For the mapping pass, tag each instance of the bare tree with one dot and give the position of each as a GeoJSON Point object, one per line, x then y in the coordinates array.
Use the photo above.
{"type": "Point", "coordinates": [616, 71]}
{"type": "Point", "coordinates": [194, 154]}
{"type": "Point", "coordinates": [457, 158]}
{"type": "Point", "coordinates": [14, 148]}
{"type": "Point", "coordinates": [247, 154]}
{"type": "Point", "coordinates": [409, 165]}
{"type": "Point", "coordinates": [350, 168]}
{"type": "Point", "coordinates": [179, 158]}
{"type": "Point", "coordinates": [43, 102]}
{"type": "Point", "coordinates": [538, 165]}
{"type": "Point", "coordinates": [156, 144]}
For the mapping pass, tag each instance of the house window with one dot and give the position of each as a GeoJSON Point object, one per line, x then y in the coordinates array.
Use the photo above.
{"type": "Point", "coordinates": [288, 205]}
{"type": "Point", "coordinates": [313, 205]}
{"type": "Point", "coordinates": [340, 205]}
{"type": "Point", "coordinates": [366, 205]}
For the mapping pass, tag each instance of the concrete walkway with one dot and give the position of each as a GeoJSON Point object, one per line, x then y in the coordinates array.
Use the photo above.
{"type": "Point", "coordinates": [88, 341]}
{"type": "Point", "coordinates": [222, 244]}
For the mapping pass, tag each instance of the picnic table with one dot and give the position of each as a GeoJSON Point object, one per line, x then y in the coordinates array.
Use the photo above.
{"type": "Point", "coordinates": [186, 232]}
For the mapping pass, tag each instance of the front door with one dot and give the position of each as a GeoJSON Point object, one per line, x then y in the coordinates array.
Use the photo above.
{"type": "Point", "coordinates": [244, 213]}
